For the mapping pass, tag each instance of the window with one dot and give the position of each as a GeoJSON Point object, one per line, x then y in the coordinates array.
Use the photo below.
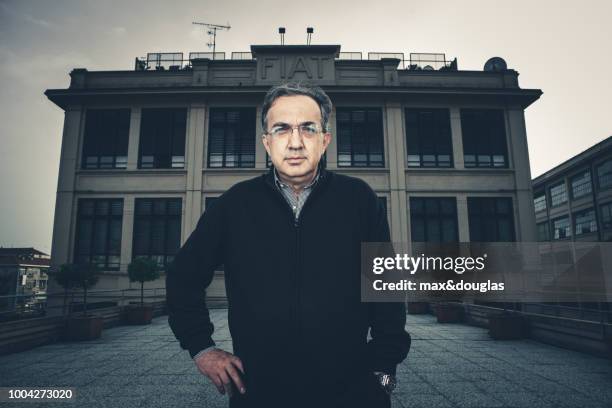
{"type": "Point", "coordinates": [604, 175]}
{"type": "Point", "coordinates": [606, 215]}
{"type": "Point", "coordinates": [584, 222]}
{"type": "Point", "coordinates": [231, 137]}
{"type": "Point", "coordinates": [558, 195]}
{"type": "Point", "coordinates": [539, 202]}
{"type": "Point", "coordinates": [543, 231]}
{"type": "Point", "coordinates": [433, 219]}
{"type": "Point", "coordinates": [428, 138]}
{"type": "Point", "coordinates": [162, 138]}
{"type": "Point", "coordinates": [581, 184]}
{"type": "Point", "coordinates": [360, 137]}
{"type": "Point", "coordinates": [561, 228]}
{"type": "Point", "coordinates": [157, 229]}
{"type": "Point", "coordinates": [484, 138]}
{"type": "Point", "coordinates": [105, 142]}
{"type": "Point", "coordinates": [98, 232]}
{"type": "Point", "coordinates": [490, 219]}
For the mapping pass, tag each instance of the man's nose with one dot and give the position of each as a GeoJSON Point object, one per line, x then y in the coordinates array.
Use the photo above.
{"type": "Point", "coordinates": [295, 139]}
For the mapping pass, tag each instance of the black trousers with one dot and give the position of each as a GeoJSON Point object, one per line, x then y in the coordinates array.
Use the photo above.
{"type": "Point", "coordinates": [364, 392]}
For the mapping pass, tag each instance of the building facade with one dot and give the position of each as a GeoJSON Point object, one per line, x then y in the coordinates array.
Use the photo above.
{"type": "Point", "coordinates": [144, 151]}
{"type": "Point", "coordinates": [573, 201]}
{"type": "Point", "coordinates": [23, 282]}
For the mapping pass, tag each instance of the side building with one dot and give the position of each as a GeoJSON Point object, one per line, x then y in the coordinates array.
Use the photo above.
{"type": "Point", "coordinates": [144, 151]}
{"type": "Point", "coordinates": [573, 201]}
{"type": "Point", "coordinates": [23, 282]}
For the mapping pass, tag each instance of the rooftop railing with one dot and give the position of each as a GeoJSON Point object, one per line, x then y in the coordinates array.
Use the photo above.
{"type": "Point", "coordinates": [174, 61]}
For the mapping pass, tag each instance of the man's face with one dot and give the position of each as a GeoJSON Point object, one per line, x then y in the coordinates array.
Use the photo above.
{"type": "Point", "coordinates": [295, 153]}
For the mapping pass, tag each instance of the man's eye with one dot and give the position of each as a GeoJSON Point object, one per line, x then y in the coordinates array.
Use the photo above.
{"type": "Point", "coordinates": [309, 129]}
{"type": "Point", "coordinates": [279, 129]}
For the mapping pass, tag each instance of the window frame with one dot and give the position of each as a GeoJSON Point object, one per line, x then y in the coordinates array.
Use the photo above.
{"type": "Point", "coordinates": [438, 217]}
{"type": "Point", "coordinates": [441, 138]}
{"type": "Point", "coordinates": [96, 139]}
{"type": "Point", "coordinates": [245, 125]}
{"type": "Point", "coordinates": [150, 218]}
{"type": "Point", "coordinates": [479, 138]}
{"type": "Point", "coordinates": [163, 159]}
{"type": "Point", "coordinates": [378, 124]}
{"type": "Point", "coordinates": [109, 218]}
{"type": "Point", "coordinates": [485, 216]}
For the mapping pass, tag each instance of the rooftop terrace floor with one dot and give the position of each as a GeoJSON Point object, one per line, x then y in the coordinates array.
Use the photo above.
{"type": "Point", "coordinates": [448, 366]}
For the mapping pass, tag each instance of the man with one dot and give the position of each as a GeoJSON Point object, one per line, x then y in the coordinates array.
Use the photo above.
{"type": "Point", "coordinates": [290, 242]}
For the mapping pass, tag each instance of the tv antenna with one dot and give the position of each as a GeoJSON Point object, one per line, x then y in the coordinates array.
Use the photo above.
{"type": "Point", "coordinates": [212, 31]}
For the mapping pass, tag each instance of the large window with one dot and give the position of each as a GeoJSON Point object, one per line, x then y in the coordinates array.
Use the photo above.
{"type": "Point", "coordinates": [360, 137]}
{"type": "Point", "coordinates": [539, 202]}
{"type": "Point", "coordinates": [584, 222]}
{"type": "Point", "coordinates": [543, 231]}
{"type": "Point", "coordinates": [157, 229]}
{"type": "Point", "coordinates": [558, 195]}
{"type": "Point", "coordinates": [231, 137]}
{"type": "Point", "coordinates": [561, 228]}
{"type": "Point", "coordinates": [604, 175]}
{"type": "Point", "coordinates": [106, 137]}
{"type": "Point", "coordinates": [98, 232]}
{"type": "Point", "coordinates": [581, 184]}
{"type": "Point", "coordinates": [162, 138]}
{"type": "Point", "coordinates": [484, 138]}
{"type": "Point", "coordinates": [428, 138]}
{"type": "Point", "coordinates": [606, 215]}
{"type": "Point", "coordinates": [433, 219]}
{"type": "Point", "coordinates": [491, 219]}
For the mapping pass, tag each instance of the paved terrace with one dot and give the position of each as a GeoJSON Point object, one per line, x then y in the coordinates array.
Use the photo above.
{"type": "Point", "coordinates": [448, 366]}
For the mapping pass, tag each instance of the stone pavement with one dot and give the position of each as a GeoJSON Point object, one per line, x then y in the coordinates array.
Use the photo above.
{"type": "Point", "coordinates": [448, 366]}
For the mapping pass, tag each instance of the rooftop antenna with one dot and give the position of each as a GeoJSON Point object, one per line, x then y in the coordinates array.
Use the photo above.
{"type": "Point", "coordinates": [212, 31]}
{"type": "Point", "coordinates": [281, 31]}
{"type": "Point", "coordinates": [309, 31]}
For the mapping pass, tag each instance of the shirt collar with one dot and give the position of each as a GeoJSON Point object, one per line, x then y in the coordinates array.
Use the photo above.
{"type": "Point", "coordinates": [280, 184]}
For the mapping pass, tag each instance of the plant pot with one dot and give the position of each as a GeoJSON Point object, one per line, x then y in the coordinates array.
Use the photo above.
{"type": "Point", "coordinates": [417, 308]}
{"type": "Point", "coordinates": [83, 328]}
{"type": "Point", "coordinates": [449, 312]}
{"type": "Point", "coordinates": [139, 315]}
{"type": "Point", "coordinates": [506, 326]}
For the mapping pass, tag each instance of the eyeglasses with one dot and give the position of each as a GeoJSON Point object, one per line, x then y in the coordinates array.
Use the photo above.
{"type": "Point", "coordinates": [305, 129]}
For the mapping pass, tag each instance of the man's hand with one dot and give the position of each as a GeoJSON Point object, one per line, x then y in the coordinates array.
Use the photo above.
{"type": "Point", "coordinates": [220, 366]}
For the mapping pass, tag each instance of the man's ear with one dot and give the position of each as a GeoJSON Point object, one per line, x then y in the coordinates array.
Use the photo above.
{"type": "Point", "coordinates": [326, 140]}
{"type": "Point", "coordinates": [265, 142]}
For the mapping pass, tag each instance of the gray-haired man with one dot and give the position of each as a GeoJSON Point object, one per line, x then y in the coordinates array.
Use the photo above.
{"type": "Point", "coordinates": [290, 242]}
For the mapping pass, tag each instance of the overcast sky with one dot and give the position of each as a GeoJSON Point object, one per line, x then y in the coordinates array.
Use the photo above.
{"type": "Point", "coordinates": [561, 47]}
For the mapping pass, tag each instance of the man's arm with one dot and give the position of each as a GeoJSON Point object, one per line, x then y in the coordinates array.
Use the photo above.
{"type": "Point", "coordinates": [187, 279]}
{"type": "Point", "coordinates": [390, 342]}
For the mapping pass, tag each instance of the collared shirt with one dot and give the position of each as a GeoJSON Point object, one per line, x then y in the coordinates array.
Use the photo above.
{"type": "Point", "coordinates": [296, 202]}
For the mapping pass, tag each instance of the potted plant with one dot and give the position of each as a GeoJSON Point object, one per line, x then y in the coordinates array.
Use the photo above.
{"type": "Point", "coordinates": [449, 312]}
{"type": "Point", "coordinates": [417, 307]}
{"type": "Point", "coordinates": [82, 326]}
{"type": "Point", "coordinates": [506, 325]}
{"type": "Point", "coordinates": [141, 270]}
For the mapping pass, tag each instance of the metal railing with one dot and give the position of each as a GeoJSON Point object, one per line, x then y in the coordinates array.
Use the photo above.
{"type": "Point", "coordinates": [15, 307]}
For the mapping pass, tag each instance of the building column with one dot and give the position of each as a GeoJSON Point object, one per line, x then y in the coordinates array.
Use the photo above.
{"type": "Point", "coordinates": [394, 150]}
{"type": "Point", "coordinates": [62, 225]}
{"type": "Point", "coordinates": [457, 137]}
{"type": "Point", "coordinates": [61, 246]}
{"type": "Point", "coordinates": [134, 138]}
{"type": "Point", "coordinates": [463, 222]}
{"type": "Point", "coordinates": [127, 232]}
{"type": "Point", "coordinates": [519, 156]}
{"type": "Point", "coordinates": [194, 160]}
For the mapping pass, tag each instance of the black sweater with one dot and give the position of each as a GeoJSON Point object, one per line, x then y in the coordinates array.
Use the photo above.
{"type": "Point", "coordinates": [293, 286]}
